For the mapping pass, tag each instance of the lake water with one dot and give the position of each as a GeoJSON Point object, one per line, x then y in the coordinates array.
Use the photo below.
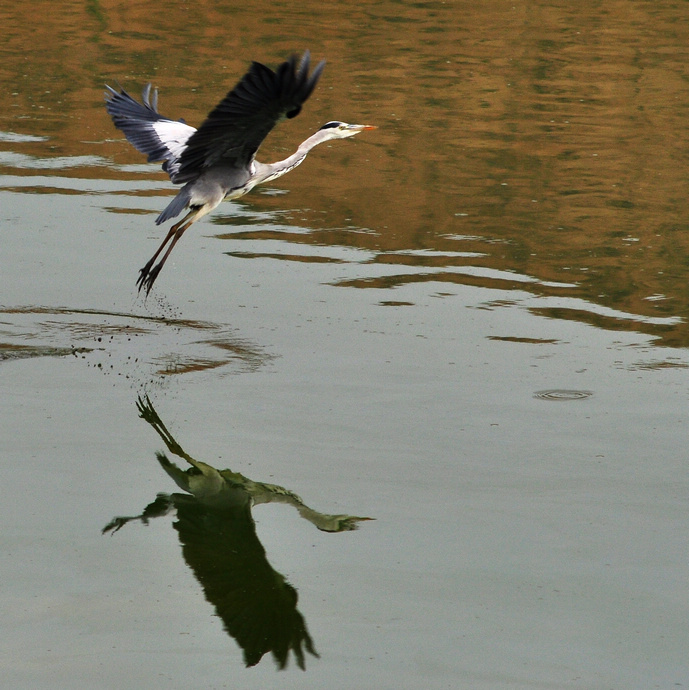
{"type": "Point", "coordinates": [470, 325]}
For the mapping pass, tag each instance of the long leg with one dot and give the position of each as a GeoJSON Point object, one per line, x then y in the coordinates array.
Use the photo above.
{"type": "Point", "coordinates": [149, 273]}
{"type": "Point", "coordinates": [147, 413]}
{"type": "Point", "coordinates": [144, 271]}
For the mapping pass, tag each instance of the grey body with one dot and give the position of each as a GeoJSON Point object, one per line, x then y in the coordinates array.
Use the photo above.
{"type": "Point", "coordinates": [217, 161]}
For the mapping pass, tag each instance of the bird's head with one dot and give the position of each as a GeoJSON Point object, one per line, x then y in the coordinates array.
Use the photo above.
{"type": "Point", "coordinates": [341, 130]}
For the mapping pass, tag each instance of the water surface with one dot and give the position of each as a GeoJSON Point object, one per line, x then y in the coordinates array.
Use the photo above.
{"type": "Point", "coordinates": [470, 325]}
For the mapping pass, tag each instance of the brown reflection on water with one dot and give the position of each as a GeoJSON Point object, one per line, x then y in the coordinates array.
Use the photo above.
{"type": "Point", "coordinates": [549, 138]}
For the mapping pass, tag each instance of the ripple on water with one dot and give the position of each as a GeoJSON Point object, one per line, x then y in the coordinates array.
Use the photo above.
{"type": "Point", "coordinates": [562, 394]}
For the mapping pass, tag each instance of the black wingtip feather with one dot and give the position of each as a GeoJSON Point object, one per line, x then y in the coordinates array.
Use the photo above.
{"type": "Point", "coordinates": [235, 128]}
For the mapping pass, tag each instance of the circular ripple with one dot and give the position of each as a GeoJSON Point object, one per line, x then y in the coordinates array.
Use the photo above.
{"type": "Point", "coordinates": [562, 395]}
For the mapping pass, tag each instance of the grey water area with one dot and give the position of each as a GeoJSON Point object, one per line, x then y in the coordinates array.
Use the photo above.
{"type": "Point", "coordinates": [526, 476]}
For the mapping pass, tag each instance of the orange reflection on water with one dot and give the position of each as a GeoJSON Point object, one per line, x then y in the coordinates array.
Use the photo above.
{"type": "Point", "coordinates": [547, 140]}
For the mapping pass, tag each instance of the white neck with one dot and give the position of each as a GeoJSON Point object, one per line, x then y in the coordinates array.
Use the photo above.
{"type": "Point", "coordinates": [264, 172]}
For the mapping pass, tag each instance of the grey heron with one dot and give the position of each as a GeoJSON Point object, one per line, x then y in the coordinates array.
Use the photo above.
{"type": "Point", "coordinates": [216, 528]}
{"type": "Point", "coordinates": [217, 161]}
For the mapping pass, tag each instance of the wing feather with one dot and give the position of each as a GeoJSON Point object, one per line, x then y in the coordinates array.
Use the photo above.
{"type": "Point", "coordinates": [160, 138]}
{"type": "Point", "coordinates": [236, 127]}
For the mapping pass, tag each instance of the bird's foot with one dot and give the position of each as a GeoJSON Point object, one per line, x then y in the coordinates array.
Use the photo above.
{"type": "Point", "coordinates": [147, 276]}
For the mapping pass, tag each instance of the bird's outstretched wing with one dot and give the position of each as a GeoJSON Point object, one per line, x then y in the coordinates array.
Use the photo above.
{"type": "Point", "coordinates": [236, 127]}
{"type": "Point", "coordinates": [160, 138]}
{"type": "Point", "coordinates": [256, 604]}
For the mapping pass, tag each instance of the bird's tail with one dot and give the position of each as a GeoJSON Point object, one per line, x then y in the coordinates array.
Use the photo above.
{"type": "Point", "coordinates": [176, 206]}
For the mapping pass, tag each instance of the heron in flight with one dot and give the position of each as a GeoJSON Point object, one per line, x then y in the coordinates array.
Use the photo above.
{"type": "Point", "coordinates": [217, 161]}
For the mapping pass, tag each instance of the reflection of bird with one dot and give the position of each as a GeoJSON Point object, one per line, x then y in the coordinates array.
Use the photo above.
{"type": "Point", "coordinates": [217, 161]}
{"type": "Point", "coordinates": [256, 603]}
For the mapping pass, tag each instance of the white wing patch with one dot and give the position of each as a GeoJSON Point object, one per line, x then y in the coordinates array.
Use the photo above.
{"type": "Point", "coordinates": [173, 135]}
